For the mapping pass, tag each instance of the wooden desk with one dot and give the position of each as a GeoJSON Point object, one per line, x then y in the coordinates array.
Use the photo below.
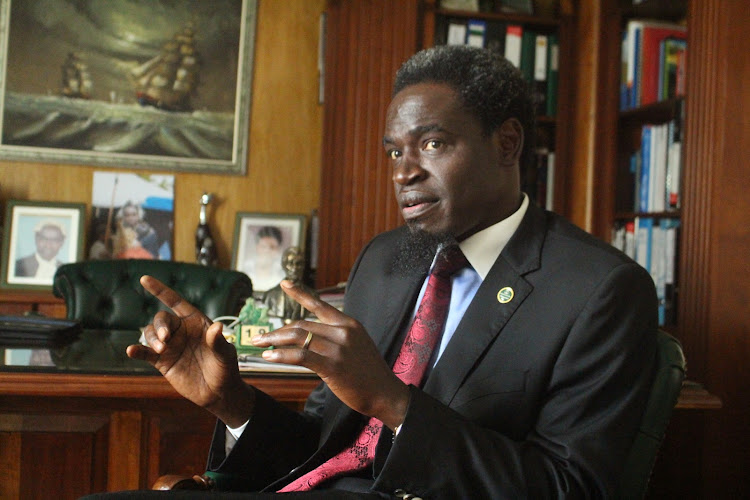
{"type": "Point", "coordinates": [98, 421]}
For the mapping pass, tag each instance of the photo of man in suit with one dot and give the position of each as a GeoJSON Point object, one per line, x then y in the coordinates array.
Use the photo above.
{"type": "Point", "coordinates": [538, 376]}
{"type": "Point", "coordinates": [49, 237]}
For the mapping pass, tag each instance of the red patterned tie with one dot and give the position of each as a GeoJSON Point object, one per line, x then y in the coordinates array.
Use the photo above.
{"type": "Point", "coordinates": [410, 367]}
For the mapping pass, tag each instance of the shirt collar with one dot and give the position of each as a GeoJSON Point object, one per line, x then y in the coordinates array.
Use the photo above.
{"type": "Point", "coordinates": [484, 247]}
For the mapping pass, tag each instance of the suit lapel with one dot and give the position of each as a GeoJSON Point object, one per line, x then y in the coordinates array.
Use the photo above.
{"type": "Point", "coordinates": [489, 312]}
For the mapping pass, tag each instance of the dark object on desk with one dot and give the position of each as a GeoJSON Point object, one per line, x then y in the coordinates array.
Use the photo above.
{"type": "Point", "coordinates": [668, 378]}
{"type": "Point", "coordinates": [107, 294]}
{"type": "Point", "coordinates": [37, 330]}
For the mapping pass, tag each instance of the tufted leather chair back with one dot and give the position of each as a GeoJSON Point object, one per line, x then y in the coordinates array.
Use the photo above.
{"type": "Point", "coordinates": [107, 294]}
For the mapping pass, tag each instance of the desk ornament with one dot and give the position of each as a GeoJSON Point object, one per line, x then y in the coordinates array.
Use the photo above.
{"type": "Point", "coordinates": [205, 248]}
{"type": "Point", "coordinates": [282, 308]}
{"type": "Point", "coordinates": [253, 320]}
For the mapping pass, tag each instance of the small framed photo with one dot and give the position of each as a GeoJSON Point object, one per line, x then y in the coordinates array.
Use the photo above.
{"type": "Point", "coordinates": [39, 238]}
{"type": "Point", "coordinates": [260, 240]}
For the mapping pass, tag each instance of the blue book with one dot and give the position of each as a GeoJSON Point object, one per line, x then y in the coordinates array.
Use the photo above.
{"type": "Point", "coordinates": [643, 195]}
{"type": "Point", "coordinates": [644, 229]}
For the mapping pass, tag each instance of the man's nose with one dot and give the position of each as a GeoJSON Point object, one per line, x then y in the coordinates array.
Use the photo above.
{"type": "Point", "coordinates": [408, 170]}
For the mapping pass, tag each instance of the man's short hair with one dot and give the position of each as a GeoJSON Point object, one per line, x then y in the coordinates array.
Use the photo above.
{"type": "Point", "coordinates": [50, 223]}
{"type": "Point", "coordinates": [489, 86]}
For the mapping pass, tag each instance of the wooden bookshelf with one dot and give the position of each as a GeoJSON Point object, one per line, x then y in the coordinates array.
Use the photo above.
{"type": "Point", "coordinates": [703, 449]}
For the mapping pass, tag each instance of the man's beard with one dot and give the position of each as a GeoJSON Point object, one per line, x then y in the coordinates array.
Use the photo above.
{"type": "Point", "coordinates": [417, 249]}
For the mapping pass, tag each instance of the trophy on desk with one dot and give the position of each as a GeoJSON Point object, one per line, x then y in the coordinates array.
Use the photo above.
{"type": "Point", "coordinates": [205, 248]}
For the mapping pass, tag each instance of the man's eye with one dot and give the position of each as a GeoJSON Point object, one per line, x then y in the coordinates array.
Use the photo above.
{"type": "Point", "coordinates": [394, 153]}
{"type": "Point", "coordinates": [433, 144]}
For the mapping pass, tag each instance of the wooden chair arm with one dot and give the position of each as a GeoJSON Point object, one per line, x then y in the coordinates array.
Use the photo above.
{"type": "Point", "coordinates": [179, 482]}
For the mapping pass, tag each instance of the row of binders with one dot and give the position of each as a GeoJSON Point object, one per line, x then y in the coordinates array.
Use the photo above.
{"type": "Point", "coordinates": [535, 53]}
{"type": "Point", "coordinates": [653, 62]}
{"type": "Point", "coordinates": [652, 243]}
{"type": "Point", "coordinates": [656, 167]}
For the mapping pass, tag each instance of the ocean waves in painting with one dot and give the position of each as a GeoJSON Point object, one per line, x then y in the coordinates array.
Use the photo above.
{"type": "Point", "coordinates": [97, 126]}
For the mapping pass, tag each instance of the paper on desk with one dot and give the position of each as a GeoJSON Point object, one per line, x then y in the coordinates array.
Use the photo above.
{"type": "Point", "coordinates": [257, 364]}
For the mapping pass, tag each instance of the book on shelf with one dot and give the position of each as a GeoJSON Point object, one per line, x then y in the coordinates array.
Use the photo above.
{"type": "Point", "coordinates": [456, 33]}
{"type": "Point", "coordinates": [674, 158]}
{"type": "Point", "coordinates": [512, 52]}
{"type": "Point", "coordinates": [528, 49]}
{"type": "Point", "coordinates": [553, 70]}
{"type": "Point", "coordinates": [644, 170]}
{"type": "Point", "coordinates": [539, 81]}
{"type": "Point", "coordinates": [671, 228]}
{"type": "Point", "coordinates": [643, 58]}
{"type": "Point", "coordinates": [656, 167]}
{"type": "Point", "coordinates": [475, 31]}
{"type": "Point", "coordinates": [644, 230]}
{"type": "Point", "coordinates": [652, 243]}
{"type": "Point", "coordinates": [671, 67]}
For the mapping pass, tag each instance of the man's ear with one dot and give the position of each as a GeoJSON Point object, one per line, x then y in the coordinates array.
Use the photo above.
{"type": "Point", "coordinates": [509, 137]}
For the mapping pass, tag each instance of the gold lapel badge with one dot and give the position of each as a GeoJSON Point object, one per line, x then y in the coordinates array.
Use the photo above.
{"type": "Point", "coordinates": [505, 295]}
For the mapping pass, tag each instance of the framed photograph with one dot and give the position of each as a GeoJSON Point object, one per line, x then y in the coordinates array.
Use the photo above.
{"type": "Point", "coordinates": [39, 238]}
{"type": "Point", "coordinates": [132, 216]}
{"type": "Point", "coordinates": [163, 84]}
{"type": "Point", "coordinates": [259, 241]}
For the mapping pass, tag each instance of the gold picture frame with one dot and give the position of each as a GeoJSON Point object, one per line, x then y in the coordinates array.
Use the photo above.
{"type": "Point", "coordinates": [155, 85]}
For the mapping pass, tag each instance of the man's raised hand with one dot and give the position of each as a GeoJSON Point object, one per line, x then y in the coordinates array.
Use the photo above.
{"type": "Point", "coordinates": [192, 354]}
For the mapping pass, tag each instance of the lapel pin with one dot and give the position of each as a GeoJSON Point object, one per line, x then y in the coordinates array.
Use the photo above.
{"type": "Point", "coordinates": [505, 295]}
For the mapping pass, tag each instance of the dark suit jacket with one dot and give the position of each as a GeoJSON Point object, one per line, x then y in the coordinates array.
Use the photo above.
{"type": "Point", "coordinates": [539, 397]}
{"type": "Point", "coordinates": [27, 266]}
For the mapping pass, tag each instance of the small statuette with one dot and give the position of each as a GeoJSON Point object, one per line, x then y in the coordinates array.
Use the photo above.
{"type": "Point", "coordinates": [205, 249]}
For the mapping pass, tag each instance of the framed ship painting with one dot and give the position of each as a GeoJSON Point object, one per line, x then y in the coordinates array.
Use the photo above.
{"type": "Point", "coordinates": [163, 84]}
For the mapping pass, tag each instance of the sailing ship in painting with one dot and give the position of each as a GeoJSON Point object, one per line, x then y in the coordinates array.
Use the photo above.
{"type": "Point", "coordinates": [168, 80]}
{"type": "Point", "coordinates": [76, 80]}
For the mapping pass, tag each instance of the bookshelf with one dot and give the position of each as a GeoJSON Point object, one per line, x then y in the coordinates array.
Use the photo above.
{"type": "Point", "coordinates": [547, 34]}
{"type": "Point", "coordinates": [701, 450]}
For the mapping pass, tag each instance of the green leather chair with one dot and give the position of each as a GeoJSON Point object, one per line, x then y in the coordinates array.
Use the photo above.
{"type": "Point", "coordinates": [107, 294]}
{"type": "Point", "coordinates": [670, 373]}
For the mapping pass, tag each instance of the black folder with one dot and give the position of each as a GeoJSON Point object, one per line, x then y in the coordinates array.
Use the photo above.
{"type": "Point", "coordinates": [37, 330]}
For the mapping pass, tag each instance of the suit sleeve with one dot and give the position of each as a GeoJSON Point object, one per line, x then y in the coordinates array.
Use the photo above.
{"type": "Point", "coordinates": [586, 421]}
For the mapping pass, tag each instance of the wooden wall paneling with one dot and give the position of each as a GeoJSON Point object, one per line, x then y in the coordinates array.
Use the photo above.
{"type": "Point", "coordinates": [10, 468]}
{"type": "Point", "coordinates": [177, 445]}
{"type": "Point", "coordinates": [356, 200]}
{"type": "Point", "coordinates": [588, 189]}
{"type": "Point", "coordinates": [125, 448]}
{"type": "Point", "coordinates": [566, 108]}
{"type": "Point", "coordinates": [715, 303]}
{"type": "Point", "coordinates": [284, 141]}
{"type": "Point", "coordinates": [52, 456]}
{"type": "Point", "coordinates": [702, 142]}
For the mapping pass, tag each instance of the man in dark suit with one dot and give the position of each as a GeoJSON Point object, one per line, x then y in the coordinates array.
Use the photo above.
{"type": "Point", "coordinates": [541, 374]}
{"type": "Point", "coordinates": [49, 237]}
